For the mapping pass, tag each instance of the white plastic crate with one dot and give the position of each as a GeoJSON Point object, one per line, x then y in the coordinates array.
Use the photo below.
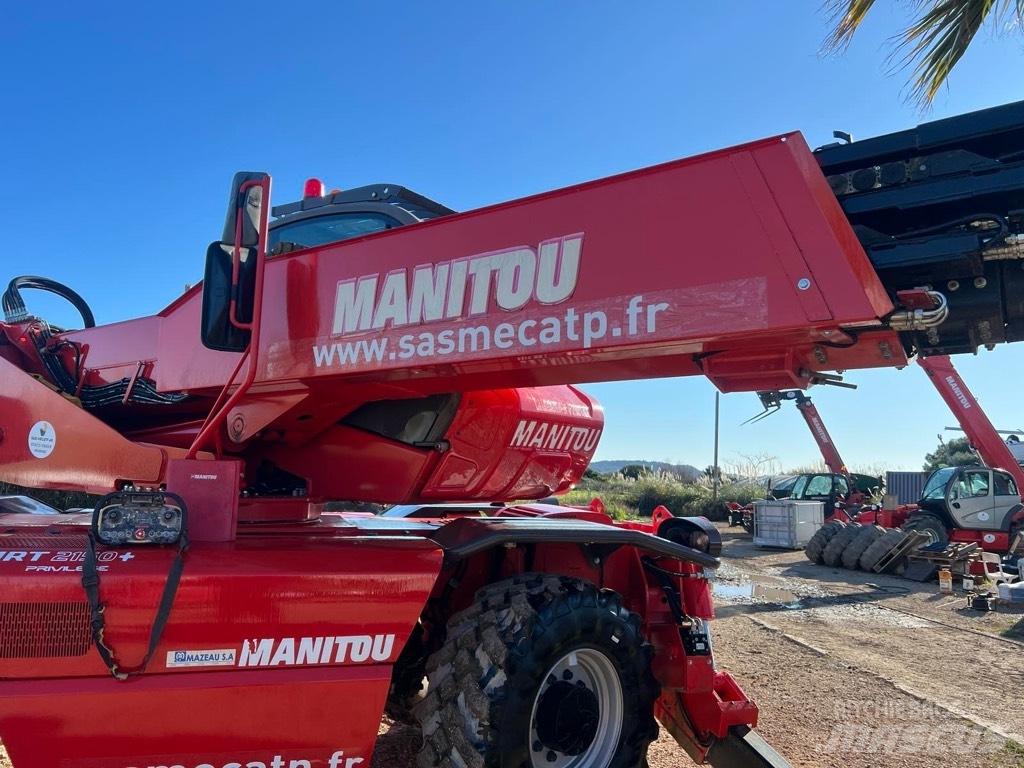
{"type": "Point", "coordinates": [786, 523]}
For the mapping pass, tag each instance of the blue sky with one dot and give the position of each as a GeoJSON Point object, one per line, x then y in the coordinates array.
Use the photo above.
{"type": "Point", "coordinates": [123, 123]}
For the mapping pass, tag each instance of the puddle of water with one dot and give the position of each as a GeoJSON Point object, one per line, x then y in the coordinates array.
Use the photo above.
{"type": "Point", "coordinates": [754, 591]}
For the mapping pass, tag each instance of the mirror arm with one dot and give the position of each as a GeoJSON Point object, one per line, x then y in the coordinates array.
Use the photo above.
{"type": "Point", "coordinates": [251, 353]}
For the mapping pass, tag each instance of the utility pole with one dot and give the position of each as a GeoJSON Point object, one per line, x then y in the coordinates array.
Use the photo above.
{"type": "Point", "coordinates": [715, 478]}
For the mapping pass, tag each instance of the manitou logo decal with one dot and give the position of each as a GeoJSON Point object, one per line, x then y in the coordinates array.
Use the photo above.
{"type": "Point", "coordinates": [461, 287]}
{"type": "Point", "coordinates": [555, 437]}
{"type": "Point", "coordinates": [820, 429]}
{"type": "Point", "coordinates": [292, 651]}
{"type": "Point", "coordinates": [958, 393]}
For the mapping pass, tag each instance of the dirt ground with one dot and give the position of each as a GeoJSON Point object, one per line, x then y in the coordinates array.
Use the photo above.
{"type": "Point", "coordinates": [850, 670]}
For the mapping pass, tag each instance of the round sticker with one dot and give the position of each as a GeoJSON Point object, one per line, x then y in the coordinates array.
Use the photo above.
{"type": "Point", "coordinates": [989, 538]}
{"type": "Point", "coordinates": [42, 439]}
{"type": "Point", "coordinates": [983, 515]}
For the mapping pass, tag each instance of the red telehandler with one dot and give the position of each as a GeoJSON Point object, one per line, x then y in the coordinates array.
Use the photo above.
{"type": "Point", "coordinates": [371, 344]}
{"type": "Point", "coordinates": [837, 488]}
{"type": "Point", "coordinates": [980, 503]}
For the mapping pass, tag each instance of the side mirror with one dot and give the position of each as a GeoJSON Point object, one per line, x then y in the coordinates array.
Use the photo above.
{"type": "Point", "coordinates": [230, 282]}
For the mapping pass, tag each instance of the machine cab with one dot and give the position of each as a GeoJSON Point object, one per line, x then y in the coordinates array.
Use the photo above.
{"type": "Point", "coordinates": [826, 488]}
{"type": "Point", "coordinates": [321, 218]}
{"type": "Point", "coordinates": [975, 497]}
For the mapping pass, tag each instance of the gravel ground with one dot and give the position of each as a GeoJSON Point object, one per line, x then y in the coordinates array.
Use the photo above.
{"type": "Point", "coordinates": [816, 710]}
{"type": "Point", "coordinates": [850, 670]}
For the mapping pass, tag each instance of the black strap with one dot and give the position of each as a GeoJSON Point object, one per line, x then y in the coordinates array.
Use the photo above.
{"type": "Point", "coordinates": [91, 583]}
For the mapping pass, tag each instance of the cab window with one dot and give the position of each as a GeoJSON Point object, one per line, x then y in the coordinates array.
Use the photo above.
{"type": "Point", "coordinates": [332, 228]}
{"type": "Point", "coordinates": [798, 487]}
{"type": "Point", "coordinates": [973, 485]}
{"type": "Point", "coordinates": [1004, 485]}
{"type": "Point", "coordinates": [935, 488]}
{"type": "Point", "coordinates": [842, 487]}
{"type": "Point", "coordinates": [819, 485]}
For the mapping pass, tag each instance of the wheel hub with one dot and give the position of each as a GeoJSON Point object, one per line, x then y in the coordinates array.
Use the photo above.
{"type": "Point", "coordinates": [577, 713]}
{"type": "Point", "coordinates": [567, 717]}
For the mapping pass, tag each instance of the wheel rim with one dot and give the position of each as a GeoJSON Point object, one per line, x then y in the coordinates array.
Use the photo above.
{"type": "Point", "coordinates": [577, 713]}
{"type": "Point", "coordinates": [927, 530]}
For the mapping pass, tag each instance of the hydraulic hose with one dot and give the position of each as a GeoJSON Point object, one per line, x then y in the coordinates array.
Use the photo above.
{"type": "Point", "coordinates": [14, 306]}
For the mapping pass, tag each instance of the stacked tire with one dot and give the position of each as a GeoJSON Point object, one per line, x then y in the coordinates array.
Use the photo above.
{"type": "Point", "coordinates": [852, 545]}
{"type": "Point", "coordinates": [832, 555]}
{"type": "Point", "coordinates": [866, 536]}
{"type": "Point", "coordinates": [881, 547]}
{"type": "Point", "coordinates": [815, 548]}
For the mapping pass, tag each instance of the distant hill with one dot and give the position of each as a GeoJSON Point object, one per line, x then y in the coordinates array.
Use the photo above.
{"type": "Point", "coordinates": [686, 472]}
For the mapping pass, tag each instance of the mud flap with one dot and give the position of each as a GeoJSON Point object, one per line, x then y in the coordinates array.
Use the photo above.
{"type": "Point", "coordinates": [744, 748]}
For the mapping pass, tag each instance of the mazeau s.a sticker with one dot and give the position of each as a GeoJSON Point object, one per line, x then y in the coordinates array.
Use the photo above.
{"type": "Point", "coordinates": [215, 657]}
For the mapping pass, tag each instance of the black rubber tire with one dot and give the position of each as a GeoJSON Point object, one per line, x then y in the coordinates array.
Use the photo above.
{"type": "Point", "coordinates": [881, 547]}
{"type": "Point", "coordinates": [816, 546]}
{"type": "Point", "coordinates": [929, 524]}
{"type": "Point", "coordinates": [833, 554]}
{"type": "Point", "coordinates": [857, 547]}
{"type": "Point", "coordinates": [484, 679]}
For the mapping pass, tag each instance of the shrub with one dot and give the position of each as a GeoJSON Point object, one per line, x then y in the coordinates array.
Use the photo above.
{"type": "Point", "coordinates": [625, 497]}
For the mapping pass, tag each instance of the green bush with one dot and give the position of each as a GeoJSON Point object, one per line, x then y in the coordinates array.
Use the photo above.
{"type": "Point", "coordinates": [627, 497]}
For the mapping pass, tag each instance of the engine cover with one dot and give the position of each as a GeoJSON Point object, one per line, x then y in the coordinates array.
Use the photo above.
{"type": "Point", "coordinates": [495, 445]}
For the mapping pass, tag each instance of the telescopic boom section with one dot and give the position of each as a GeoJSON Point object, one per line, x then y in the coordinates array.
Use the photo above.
{"type": "Point", "coordinates": [969, 414]}
{"type": "Point", "coordinates": [828, 449]}
{"type": "Point", "coordinates": [738, 265]}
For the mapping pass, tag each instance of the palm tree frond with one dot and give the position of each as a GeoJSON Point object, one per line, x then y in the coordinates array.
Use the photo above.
{"type": "Point", "coordinates": [846, 17]}
{"type": "Point", "coordinates": [933, 43]}
{"type": "Point", "coordinates": [939, 39]}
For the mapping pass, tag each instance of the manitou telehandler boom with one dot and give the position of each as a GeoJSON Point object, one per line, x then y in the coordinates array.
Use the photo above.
{"type": "Point", "coordinates": [979, 504]}
{"type": "Point", "coordinates": [837, 487]}
{"type": "Point", "coordinates": [373, 345]}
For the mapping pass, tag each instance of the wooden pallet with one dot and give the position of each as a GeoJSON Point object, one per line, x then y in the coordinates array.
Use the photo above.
{"type": "Point", "coordinates": [953, 553]}
{"type": "Point", "coordinates": [925, 563]}
{"type": "Point", "coordinates": [913, 541]}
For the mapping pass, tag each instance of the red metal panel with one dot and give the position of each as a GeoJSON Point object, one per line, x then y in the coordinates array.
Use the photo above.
{"type": "Point", "coordinates": [215, 718]}
{"type": "Point", "coordinates": [47, 441]}
{"type": "Point", "coordinates": [211, 490]}
{"type": "Point", "coordinates": [255, 587]}
{"type": "Point", "coordinates": [294, 612]}
{"type": "Point", "coordinates": [990, 541]}
{"type": "Point", "coordinates": [775, 232]}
